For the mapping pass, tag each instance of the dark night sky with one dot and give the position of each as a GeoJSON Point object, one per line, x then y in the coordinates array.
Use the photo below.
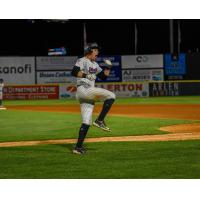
{"type": "Point", "coordinates": [21, 37]}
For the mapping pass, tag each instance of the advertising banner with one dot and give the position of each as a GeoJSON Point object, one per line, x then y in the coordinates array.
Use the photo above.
{"type": "Point", "coordinates": [129, 75]}
{"type": "Point", "coordinates": [27, 92]}
{"type": "Point", "coordinates": [17, 70]}
{"type": "Point", "coordinates": [172, 88]}
{"type": "Point", "coordinates": [115, 73]}
{"type": "Point", "coordinates": [127, 89]}
{"type": "Point", "coordinates": [67, 91]}
{"type": "Point", "coordinates": [164, 89]}
{"type": "Point", "coordinates": [120, 89]}
{"type": "Point", "coordinates": [142, 61]}
{"type": "Point", "coordinates": [175, 65]}
{"type": "Point", "coordinates": [44, 77]}
{"type": "Point", "coordinates": [58, 63]}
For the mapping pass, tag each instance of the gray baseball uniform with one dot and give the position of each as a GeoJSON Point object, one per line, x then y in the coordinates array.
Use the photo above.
{"type": "Point", "coordinates": [87, 93]}
{"type": "Point", "coordinates": [1, 91]}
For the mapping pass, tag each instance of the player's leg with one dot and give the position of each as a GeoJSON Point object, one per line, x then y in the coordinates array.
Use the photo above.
{"type": "Point", "coordinates": [1, 102]}
{"type": "Point", "coordinates": [105, 109]}
{"type": "Point", "coordinates": [86, 112]}
{"type": "Point", "coordinates": [1, 97]}
{"type": "Point", "coordinates": [98, 94]}
{"type": "Point", "coordinates": [108, 97]}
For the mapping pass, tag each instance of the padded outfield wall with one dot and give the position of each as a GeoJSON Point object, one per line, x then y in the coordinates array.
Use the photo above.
{"type": "Point", "coordinates": [131, 76]}
{"type": "Point", "coordinates": [129, 89]}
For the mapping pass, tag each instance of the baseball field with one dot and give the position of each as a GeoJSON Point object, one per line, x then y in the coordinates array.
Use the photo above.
{"type": "Point", "coordinates": [150, 138]}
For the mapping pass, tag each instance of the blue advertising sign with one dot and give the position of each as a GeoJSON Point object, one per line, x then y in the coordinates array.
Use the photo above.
{"type": "Point", "coordinates": [116, 71]}
{"type": "Point", "coordinates": [175, 65]}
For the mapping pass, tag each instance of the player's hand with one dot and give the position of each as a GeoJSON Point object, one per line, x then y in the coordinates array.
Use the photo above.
{"type": "Point", "coordinates": [107, 72]}
{"type": "Point", "coordinates": [91, 77]}
{"type": "Point", "coordinates": [107, 64]}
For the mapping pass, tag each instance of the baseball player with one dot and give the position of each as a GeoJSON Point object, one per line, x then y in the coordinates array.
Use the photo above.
{"type": "Point", "coordinates": [1, 95]}
{"type": "Point", "coordinates": [86, 70]}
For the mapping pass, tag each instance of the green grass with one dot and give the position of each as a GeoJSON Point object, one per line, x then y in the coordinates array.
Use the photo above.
{"type": "Point", "coordinates": [27, 125]}
{"type": "Point", "coordinates": [114, 160]}
{"type": "Point", "coordinates": [103, 160]}
{"type": "Point", "coordinates": [40, 102]}
{"type": "Point", "coordinates": [149, 100]}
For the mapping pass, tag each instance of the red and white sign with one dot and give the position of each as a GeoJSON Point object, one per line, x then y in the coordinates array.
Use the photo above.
{"type": "Point", "coordinates": [31, 92]}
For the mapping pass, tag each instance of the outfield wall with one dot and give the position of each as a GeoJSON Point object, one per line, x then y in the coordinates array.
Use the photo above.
{"type": "Point", "coordinates": [126, 68]}
{"type": "Point", "coordinates": [127, 89]}
{"type": "Point", "coordinates": [174, 88]}
{"type": "Point", "coordinates": [131, 76]}
{"type": "Point", "coordinates": [27, 92]}
{"type": "Point", "coordinates": [131, 89]}
{"type": "Point", "coordinates": [56, 69]}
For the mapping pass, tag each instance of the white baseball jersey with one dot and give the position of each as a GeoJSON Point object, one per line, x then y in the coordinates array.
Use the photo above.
{"type": "Point", "coordinates": [1, 91]}
{"type": "Point", "coordinates": [87, 93]}
{"type": "Point", "coordinates": [88, 67]}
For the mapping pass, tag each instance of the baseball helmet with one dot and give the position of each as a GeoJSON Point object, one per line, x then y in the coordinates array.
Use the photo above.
{"type": "Point", "coordinates": [88, 48]}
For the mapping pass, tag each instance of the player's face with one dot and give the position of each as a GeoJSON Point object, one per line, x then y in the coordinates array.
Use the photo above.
{"type": "Point", "coordinates": [94, 54]}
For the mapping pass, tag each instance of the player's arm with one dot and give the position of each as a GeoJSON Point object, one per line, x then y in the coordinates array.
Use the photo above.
{"type": "Point", "coordinates": [106, 72]}
{"type": "Point", "coordinates": [76, 71]}
{"type": "Point", "coordinates": [103, 74]}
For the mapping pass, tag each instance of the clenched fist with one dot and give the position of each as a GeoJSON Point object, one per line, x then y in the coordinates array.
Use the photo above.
{"type": "Point", "coordinates": [91, 77]}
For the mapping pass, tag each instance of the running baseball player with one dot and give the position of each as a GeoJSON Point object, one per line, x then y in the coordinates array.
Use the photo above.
{"type": "Point", "coordinates": [1, 95]}
{"type": "Point", "coordinates": [86, 70]}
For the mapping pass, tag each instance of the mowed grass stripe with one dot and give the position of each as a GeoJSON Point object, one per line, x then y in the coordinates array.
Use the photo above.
{"type": "Point", "coordinates": [27, 125]}
{"type": "Point", "coordinates": [146, 100]}
{"type": "Point", "coordinates": [104, 160]}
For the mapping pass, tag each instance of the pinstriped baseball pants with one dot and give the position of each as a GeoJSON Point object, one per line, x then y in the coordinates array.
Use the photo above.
{"type": "Point", "coordinates": [87, 96]}
{"type": "Point", "coordinates": [1, 95]}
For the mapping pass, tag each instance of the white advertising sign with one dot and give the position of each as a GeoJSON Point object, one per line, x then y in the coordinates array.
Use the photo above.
{"type": "Point", "coordinates": [55, 62]}
{"type": "Point", "coordinates": [120, 89]}
{"type": "Point", "coordinates": [67, 91]}
{"type": "Point", "coordinates": [44, 77]}
{"type": "Point", "coordinates": [129, 75]}
{"type": "Point", "coordinates": [17, 70]}
{"type": "Point", "coordinates": [127, 89]}
{"type": "Point", "coordinates": [142, 61]}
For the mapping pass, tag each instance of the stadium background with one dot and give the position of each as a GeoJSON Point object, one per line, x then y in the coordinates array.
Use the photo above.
{"type": "Point", "coordinates": [142, 50]}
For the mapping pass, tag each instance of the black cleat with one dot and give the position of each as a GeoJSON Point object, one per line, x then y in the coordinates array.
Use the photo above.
{"type": "Point", "coordinates": [101, 125]}
{"type": "Point", "coordinates": [2, 108]}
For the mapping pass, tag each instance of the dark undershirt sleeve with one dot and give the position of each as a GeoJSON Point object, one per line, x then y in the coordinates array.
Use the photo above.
{"type": "Point", "coordinates": [75, 71]}
{"type": "Point", "coordinates": [102, 76]}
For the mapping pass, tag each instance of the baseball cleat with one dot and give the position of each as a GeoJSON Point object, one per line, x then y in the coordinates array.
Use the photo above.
{"type": "Point", "coordinates": [2, 108]}
{"type": "Point", "coordinates": [79, 151]}
{"type": "Point", "coordinates": [101, 125]}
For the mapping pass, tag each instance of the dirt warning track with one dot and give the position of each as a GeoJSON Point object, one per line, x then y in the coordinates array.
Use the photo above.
{"type": "Point", "coordinates": [183, 111]}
